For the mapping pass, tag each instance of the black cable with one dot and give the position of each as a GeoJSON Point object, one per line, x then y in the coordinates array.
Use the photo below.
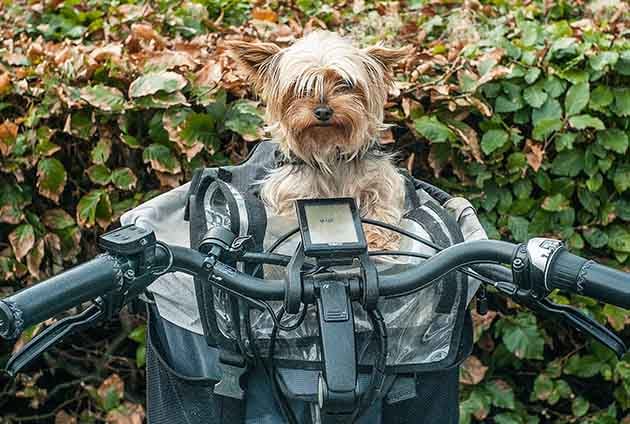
{"type": "Point", "coordinates": [275, 245]}
{"type": "Point", "coordinates": [377, 378]}
{"type": "Point", "coordinates": [402, 231]}
{"type": "Point", "coordinates": [275, 387]}
{"type": "Point", "coordinates": [468, 272]}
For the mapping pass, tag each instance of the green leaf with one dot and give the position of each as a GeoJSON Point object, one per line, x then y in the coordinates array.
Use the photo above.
{"type": "Point", "coordinates": [139, 334]}
{"type": "Point", "coordinates": [529, 32]}
{"type": "Point", "coordinates": [616, 317]}
{"type": "Point", "coordinates": [130, 141]}
{"type": "Point", "coordinates": [622, 102]}
{"type": "Point", "coordinates": [580, 122]}
{"type": "Point", "coordinates": [244, 118]}
{"type": "Point", "coordinates": [568, 163]}
{"type": "Point", "coordinates": [545, 127]}
{"type": "Point", "coordinates": [595, 182]}
{"type": "Point", "coordinates": [501, 393]}
{"type": "Point", "coordinates": [200, 128]}
{"type": "Point", "coordinates": [141, 356]}
{"type": "Point", "coordinates": [583, 366]}
{"type": "Point", "coordinates": [580, 406]}
{"type": "Point", "coordinates": [555, 203]}
{"type": "Point", "coordinates": [521, 336]}
{"type": "Point", "coordinates": [622, 209]}
{"type": "Point", "coordinates": [519, 227]}
{"type": "Point", "coordinates": [57, 219]}
{"type": "Point", "coordinates": [94, 207]}
{"type": "Point", "coordinates": [161, 158]}
{"type": "Point", "coordinates": [99, 174]}
{"type": "Point", "coordinates": [550, 110]}
{"type": "Point", "coordinates": [554, 86]}
{"type": "Point", "coordinates": [434, 130]}
{"type": "Point", "coordinates": [613, 139]}
{"type": "Point", "coordinates": [601, 97]}
{"type": "Point", "coordinates": [161, 100]}
{"type": "Point", "coordinates": [493, 140]}
{"type": "Point", "coordinates": [532, 75]}
{"type": "Point", "coordinates": [577, 98]}
{"type": "Point", "coordinates": [621, 178]}
{"type": "Point", "coordinates": [124, 178]}
{"type": "Point", "coordinates": [523, 188]}
{"type": "Point", "coordinates": [100, 153]}
{"type": "Point", "coordinates": [619, 239]}
{"type": "Point", "coordinates": [588, 200]}
{"type": "Point", "coordinates": [603, 59]}
{"type": "Point", "coordinates": [565, 141]}
{"type": "Point", "coordinates": [504, 104]}
{"type": "Point", "coordinates": [153, 82]}
{"type": "Point", "coordinates": [109, 99]}
{"type": "Point", "coordinates": [534, 96]}
{"type": "Point", "coordinates": [543, 387]}
{"type": "Point", "coordinates": [51, 178]}
{"type": "Point", "coordinates": [623, 64]}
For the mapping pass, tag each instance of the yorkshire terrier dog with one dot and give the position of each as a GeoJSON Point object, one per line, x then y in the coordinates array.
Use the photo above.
{"type": "Point", "coordinates": [324, 107]}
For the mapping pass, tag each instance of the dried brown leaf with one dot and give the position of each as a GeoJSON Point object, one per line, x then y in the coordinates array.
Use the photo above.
{"type": "Point", "coordinates": [22, 240]}
{"type": "Point", "coordinates": [62, 417]}
{"type": "Point", "coordinates": [480, 105]}
{"type": "Point", "coordinates": [534, 153]}
{"type": "Point", "coordinates": [5, 83]}
{"type": "Point", "coordinates": [8, 132]}
{"type": "Point", "coordinates": [264, 15]}
{"type": "Point", "coordinates": [128, 413]}
{"type": "Point", "coordinates": [34, 258]}
{"type": "Point", "coordinates": [169, 180]}
{"type": "Point", "coordinates": [111, 383]}
{"type": "Point", "coordinates": [146, 32]}
{"type": "Point", "coordinates": [411, 161]}
{"type": "Point", "coordinates": [469, 137]}
{"type": "Point", "coordinates": [11, 214]}
{"type": "Point", "coordinates": [472, 371]}
{"type": "Point", "coordinates": [387, 137]}
{"type": "Point", "coordinates": [494, 73]}
{"type": "Point", "coordinates": [210, 75]}
{"type": "Point", "coordinates": [172, 59]}
{"type": "Point", "coordinates": [104, 53]}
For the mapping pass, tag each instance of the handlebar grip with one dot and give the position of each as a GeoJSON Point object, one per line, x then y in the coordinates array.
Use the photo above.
{"type": "Point", "coordinates": [57, 294]}
{"type": "Point", "coordinates": [572, 273]}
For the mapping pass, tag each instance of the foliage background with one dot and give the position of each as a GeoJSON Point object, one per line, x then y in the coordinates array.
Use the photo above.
{"type": "Point", "coordinates": [521, 106]}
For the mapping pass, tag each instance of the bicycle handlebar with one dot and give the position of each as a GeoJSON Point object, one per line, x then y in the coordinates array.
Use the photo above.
{"type": "Point", "coordinates": [105, 274]}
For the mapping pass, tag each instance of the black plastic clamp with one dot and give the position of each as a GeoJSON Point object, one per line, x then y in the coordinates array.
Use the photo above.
{"type": "Point", "coordinates": [293, 279]}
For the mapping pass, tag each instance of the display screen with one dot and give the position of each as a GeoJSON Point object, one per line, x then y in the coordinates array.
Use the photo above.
{"type": "Point", "coordinates": [330, 224]}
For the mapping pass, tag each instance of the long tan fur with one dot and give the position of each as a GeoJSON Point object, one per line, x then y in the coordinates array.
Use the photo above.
{"type": "Point", "coordinates": [325, 69]}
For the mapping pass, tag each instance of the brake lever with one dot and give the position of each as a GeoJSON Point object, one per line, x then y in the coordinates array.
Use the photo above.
{"type": "Point", "coordinates": [585, 324]}
{"type": "Point", "coordinates": [572, 316]}
{"type": "Point", "coordinates": [52, 335]}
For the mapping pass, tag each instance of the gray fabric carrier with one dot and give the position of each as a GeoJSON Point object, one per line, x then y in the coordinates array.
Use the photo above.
{"type": "Point", "coordinates": [429, 331]}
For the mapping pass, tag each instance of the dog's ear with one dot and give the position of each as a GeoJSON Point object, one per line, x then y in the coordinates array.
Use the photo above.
{"type": "Point", "coordinates": [252, 56]}
{"type": "Point", "coordinates": [388, 57]}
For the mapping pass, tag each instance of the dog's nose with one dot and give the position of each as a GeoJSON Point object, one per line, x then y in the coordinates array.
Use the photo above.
{"type": "Point", "coordinates": [323, 112]}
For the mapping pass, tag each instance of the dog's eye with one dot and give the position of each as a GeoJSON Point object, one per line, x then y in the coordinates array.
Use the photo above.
{"type": "Point", "coordinates": [345, 86]}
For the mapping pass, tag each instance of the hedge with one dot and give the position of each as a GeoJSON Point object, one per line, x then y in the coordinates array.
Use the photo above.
{"type": "Point", "coordinates": [522, 107]}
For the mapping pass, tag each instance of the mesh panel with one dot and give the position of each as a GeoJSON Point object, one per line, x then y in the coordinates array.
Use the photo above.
{"type": "Point", "coordinates": [173, 398]}
{"type": "Point", "coordinates": [430, 406]}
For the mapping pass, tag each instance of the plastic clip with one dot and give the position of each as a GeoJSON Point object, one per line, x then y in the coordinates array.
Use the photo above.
{"type": "Point", "coordinates": [232, 368]}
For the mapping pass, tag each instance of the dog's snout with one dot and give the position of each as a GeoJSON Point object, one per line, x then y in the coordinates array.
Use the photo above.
{"type": "Point", "coordinates": [323, 112]}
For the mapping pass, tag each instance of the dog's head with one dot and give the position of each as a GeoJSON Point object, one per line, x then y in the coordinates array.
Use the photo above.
{"type": "Point", "coordinates": [324, 96]}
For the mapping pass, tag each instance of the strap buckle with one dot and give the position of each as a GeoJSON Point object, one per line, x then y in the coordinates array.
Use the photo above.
{"type": "Point", "coordinates": [232, 366]}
